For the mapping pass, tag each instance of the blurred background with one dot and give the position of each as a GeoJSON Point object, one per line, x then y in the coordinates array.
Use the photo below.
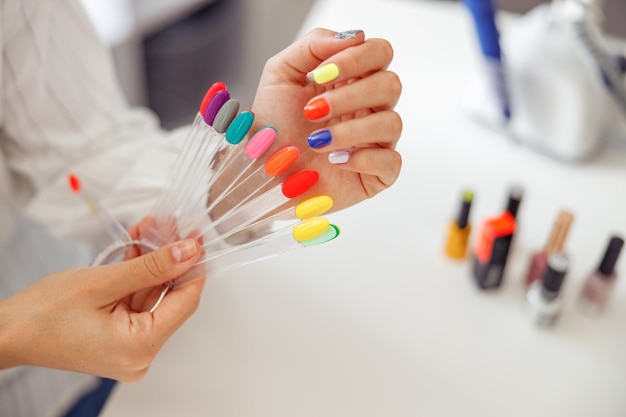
{"type": "Point", "coordinates": [168, 51]}
{"type": "Point", "coordinates": [405, 334]}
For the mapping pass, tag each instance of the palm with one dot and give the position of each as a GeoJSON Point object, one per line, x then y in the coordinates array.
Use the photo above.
{"type": "Point", "coordinates": [359, 97]}
{"type": "Point", "coordinates": [280, 105]}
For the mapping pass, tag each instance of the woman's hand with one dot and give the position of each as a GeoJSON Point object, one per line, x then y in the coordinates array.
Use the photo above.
{"type": "Point", "coordinates": [331, 94]}
{"type": "Point", "coordinates": [94, 319]}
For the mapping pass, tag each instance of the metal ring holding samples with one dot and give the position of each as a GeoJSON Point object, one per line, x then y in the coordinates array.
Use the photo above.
{"type": "Point", "coordinates": [113, 249]}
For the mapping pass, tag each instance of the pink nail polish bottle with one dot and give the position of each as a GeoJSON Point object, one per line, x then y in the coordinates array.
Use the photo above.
{"type": "Point", "coordinates": [598, 286]}
{"type": "Point", "coordinates": [556, 243]}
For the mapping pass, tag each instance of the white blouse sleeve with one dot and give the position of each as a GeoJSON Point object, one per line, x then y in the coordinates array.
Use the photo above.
{"type": "Point", "coordinates": [64, 112]}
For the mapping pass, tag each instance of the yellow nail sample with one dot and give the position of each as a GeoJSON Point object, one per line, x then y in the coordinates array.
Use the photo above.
{"type": "Point", "coordinates": [310, 229]}
{"type": "Point", "coordinates": [314, 206]}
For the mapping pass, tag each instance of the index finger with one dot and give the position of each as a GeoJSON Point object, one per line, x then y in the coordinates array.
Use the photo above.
{"type": "Point", "coordinates": [314, 48]}
{"type": "Point", "coordinates": [355, 62]}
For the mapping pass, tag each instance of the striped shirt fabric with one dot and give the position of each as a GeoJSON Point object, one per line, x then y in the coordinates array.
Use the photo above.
{"type": "Point", "coordinates": [62, 111]}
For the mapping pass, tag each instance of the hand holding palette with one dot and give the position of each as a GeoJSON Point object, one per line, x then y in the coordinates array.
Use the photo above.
{"type": "Point", "coordinates": [237, 201]}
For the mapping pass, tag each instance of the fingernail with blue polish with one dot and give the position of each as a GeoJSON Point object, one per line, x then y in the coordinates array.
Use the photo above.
{"type": "Point", "coordinates": [319, 139]}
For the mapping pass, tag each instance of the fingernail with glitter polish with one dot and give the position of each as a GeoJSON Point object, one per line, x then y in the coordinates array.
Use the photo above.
{"type": "Point", "coordinates": [316, 108]}
{"type": "Point", "coordinates": [348, 34]}
{"type": "Point", "coordinates": [339, 157]}
{"type": "Point", "coordinates": [320, 139]}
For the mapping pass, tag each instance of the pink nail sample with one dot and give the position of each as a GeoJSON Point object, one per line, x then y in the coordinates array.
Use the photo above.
{"type": "Point", "coordinates": [260, 142]}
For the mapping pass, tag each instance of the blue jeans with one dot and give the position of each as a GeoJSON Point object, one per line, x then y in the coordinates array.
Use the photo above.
{"type": "Point", "coordinates": [91, 404]}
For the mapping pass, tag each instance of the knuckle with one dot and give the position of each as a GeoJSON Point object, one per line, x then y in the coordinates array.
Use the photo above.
{"type": "Point", "coordinates": [136, 351]}
{"type": "Point", "coordinates": [138, 358]}
{"type": "Point", "coordinates": [193, 304]}
{"type": "Point", "coordinates": [395, 123]}
{"type": "Point", "coordinates": [134, 376]}
{"type": "Point", "coordinates": [386, 50]}
{"type": "Point", "coordinates": [396, 163]}
{"type": "Point", "coordinates": [369, 159]}
{"type": "Point", "coordinates": [153, 266]}
{"type": "Point", "coordinates": [272, 63]}
{"type": "Point", "coordinates": [394, 85]}
{"type": "Point", "coordinates": [317, 32]}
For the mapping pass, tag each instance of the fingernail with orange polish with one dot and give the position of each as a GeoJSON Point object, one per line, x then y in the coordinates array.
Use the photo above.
{"type": "Point", "coordinates": [316, 109]}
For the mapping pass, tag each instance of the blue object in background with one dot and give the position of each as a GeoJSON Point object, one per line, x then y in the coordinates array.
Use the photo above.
{"type": "Point", "coordinates": [92, 403]}
{"type": "Point", "coordinates": [484, 14]}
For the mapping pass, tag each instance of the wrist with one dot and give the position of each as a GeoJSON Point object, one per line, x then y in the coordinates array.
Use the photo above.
{"type": "Point", "coordinates": [10, 335]}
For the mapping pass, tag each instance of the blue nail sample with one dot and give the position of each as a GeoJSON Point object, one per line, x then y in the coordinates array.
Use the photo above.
{"type": "Point", "coordinates": [319, 139]}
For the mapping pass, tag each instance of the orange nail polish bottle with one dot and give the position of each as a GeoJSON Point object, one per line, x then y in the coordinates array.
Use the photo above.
{"type": "Point", "coordinates": [493, 242]}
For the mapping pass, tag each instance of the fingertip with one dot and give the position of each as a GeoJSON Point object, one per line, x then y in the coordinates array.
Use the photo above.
{"type": "Point", "coordinates": [147, 222]}
{"type": "Point", "coordinates": [133, 231]}
{"type": "Point", "coordinates": [314, 48]}
{"type": "Point", "coordinates": [131, 253]}
{"type": "Point", "coordinates": [185, 250]}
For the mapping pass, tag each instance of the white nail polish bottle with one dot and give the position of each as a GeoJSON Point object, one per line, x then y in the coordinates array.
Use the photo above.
{"type": "Point", "coordinates": [544, 301]}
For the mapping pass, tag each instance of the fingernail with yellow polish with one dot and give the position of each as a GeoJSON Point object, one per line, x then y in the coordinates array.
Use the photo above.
{"type": "Point", "coordinates": [324, 74]}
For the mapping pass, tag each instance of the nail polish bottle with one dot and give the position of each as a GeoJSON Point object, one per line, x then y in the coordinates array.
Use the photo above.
{"type": "Point", "coordinates": [543, 299]}
{"type": "Point", "coordinates": [492, 244]}
{"type": "Point", "coordinates": [556, 243]}
{"type": "Point", "coordinates": [459, 230]}
{"type": "Point", "coordinates": [597, 288]}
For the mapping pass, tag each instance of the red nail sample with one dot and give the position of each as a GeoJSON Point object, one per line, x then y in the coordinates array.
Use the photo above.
{"type": "Point", "coordinates": [299, 182]}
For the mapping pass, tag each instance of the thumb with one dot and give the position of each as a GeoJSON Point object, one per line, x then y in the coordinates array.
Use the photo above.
{"type": "Point", "coordinates": [152, 269]}
{"type": "Point", "coordinates": [315, 47]}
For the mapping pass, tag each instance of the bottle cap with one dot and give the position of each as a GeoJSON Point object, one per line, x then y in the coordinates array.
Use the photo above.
{"type": "Point", "coordinates": [555, 274]}
{"type": "Point", "coordinates": [515, 198]}
{"type": "Point", "coordinates": [466, 205]}
{"type": "Point", "coordinates": [559, 233]}
{"type": "Point", "coordinates": [607, 266]}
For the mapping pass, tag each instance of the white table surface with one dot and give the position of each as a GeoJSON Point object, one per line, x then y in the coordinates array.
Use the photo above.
{"type": "Point", "coordinates": [379, 322]}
